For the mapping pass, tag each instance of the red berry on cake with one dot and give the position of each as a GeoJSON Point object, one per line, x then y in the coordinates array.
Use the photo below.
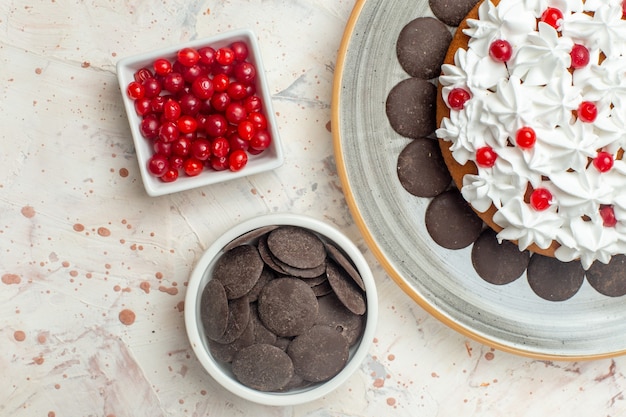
{"type": "Point", "coordinates": [486, 157]}
{"type": "Point", "coordinates": [553, 17]}
{"type": "Point", "coordinates": [580, 56]}
{"type": "Point", "coordinates": [526, 137]}
{"type": "Point", "coordinates": [587, 112]}
{"type": "Point", "coordinates": [540, 199]}
{"type": "Point", "coordinates": [603, 162]}
{"type": "Point", "coordinates": [608, 216]}
{"type": "Point", "coordinates": [500, 50]}
{"type": "Point", "coordinates": [457, 98]}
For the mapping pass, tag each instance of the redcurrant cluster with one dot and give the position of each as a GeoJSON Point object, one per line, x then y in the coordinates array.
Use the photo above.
{"type": "Point", "coordinates": [200, 111]}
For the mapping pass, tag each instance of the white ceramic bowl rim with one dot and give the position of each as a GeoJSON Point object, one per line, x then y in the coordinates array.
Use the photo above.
{"type": "Point", "coordinates": [198, 277]}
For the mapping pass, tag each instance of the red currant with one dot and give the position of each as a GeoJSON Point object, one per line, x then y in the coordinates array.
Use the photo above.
{"type": "Point", "coordinates": [261, 141]}
{"type": "Point", "coordinates": [170, 175]}
{"type": "Point", "coordinates": [553, 17]}
{"type": "Point", "coordinates": [220, 101]}
{"type": "Point", "coordinates": [500, 50]}
{"type": "Point", "coordinates": [201, 149]}
{"type": "Point", "coordinates": [526, 137]}
{"type": "Point", "coordinates": [216, 125]}
{"type": "Point", "coordinates": [162, 66]}
{"type": "Point", "coordinates": [457, 98]}
{"type": "Point", "coordinates": [608, 216]}
{"type": "Point", "coordinates": [207, 55]}
{"type": "Point", "coordinates": [221, 82]}
{"type": "Point", "coordinates": [187, 124]}
{"type": "Point", "coordinates": [240, 49]}
{"type": "Point", "coordinates": [135, 90]}
{"type": "Point", "coordinates": [142, 106]}
{"type": "Point", "coordinates": [252, 103]}
{"type": "Point", "coordinates": [258, 119]}
{"type": "Point", "coordinates": [189, 104]}
{"type": "Point", "coordinates": [190, 74]}
{"type": "Point", "coordinates": [162, 148]}
{"type": "Point", "coordinates": [171, 110]}
{"type": "Point", "coordinates": [168, 132]}
{"type": "Point", "coordinates": [587, 112]}
{"type": "Point", "coordinates": [580, 56]}
{"type": "Point", "coordinates": [149, 126]}
{"type": "Point", "coordinates": [219, 163]}
{"type": "Point", "coordinates": [237, 91]}
{"type": "Point", "coordinates": [486, 157]}
{"type": "Point", "coordinates": [157, 104]}
{"type": "Point", "coordinates": [174, 82]}
{"type": "Point", "coordinates": [192, 167]}
{"type": "Point", "coordinates": [246, 129]}
{"type": "Point", "coordinates": [181, 146]}
{"type": "Point", "coordinates": [603, 162]}
{"type": "Point", "coordinates": [202, 87]}
{"type": "Point", "coordinates": [235, 113]}
{"type": "Point", "coordinates": [244, 72]}
{"type": "Point", "coordinates": [237, 160]}
{"type": "Point", "coordinates": [540, 199]}
{"type": "Point", "coordinates": [158, 164]}
{"type": "Point", "coordinates": [152, 87]}
{"type": "Point", "coordinates": [224, 56]}
{"type": "Point", "coordinates": [220, 147]}
{"type": "Point", "coordinates": [142, 74]}
{"type": "Point", "coordinates": [188, 56]}
{"type": "Point", "coordinates": [236, 142]}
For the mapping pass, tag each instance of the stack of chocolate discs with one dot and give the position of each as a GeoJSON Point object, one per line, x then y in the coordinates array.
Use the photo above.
{"type": "Point", "coordinates": [283, 306]}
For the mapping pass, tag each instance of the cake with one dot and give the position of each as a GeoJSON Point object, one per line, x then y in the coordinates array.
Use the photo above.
{"type": "Point", "coordinates": [531, 118]}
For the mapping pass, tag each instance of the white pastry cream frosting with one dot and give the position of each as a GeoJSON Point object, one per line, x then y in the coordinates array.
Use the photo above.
{"type": "Point", "coordinates": [538, 87]}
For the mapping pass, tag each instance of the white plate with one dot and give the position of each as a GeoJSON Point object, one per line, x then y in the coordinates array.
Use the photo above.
{"type": "Point", "coordinates": [511, 317]}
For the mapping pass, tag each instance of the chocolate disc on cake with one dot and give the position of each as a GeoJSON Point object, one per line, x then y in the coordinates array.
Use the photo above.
{"type": "Point", "coordinates": [609, 279]}
{"type": "Point", "coordinates": [411, 107]}
{"type": "Point", "coordinates": [451, 222]}
{"type": "Point", "coordinates": [554, 280]}
{"type": "Point", "coordinates": [451, 12]}
{"type": "Point", "coordinates": [422, 46]}
{"type": "Point", "coordinates": [498, 263]}
{"type": "Point", "coordinates": [421, 168]}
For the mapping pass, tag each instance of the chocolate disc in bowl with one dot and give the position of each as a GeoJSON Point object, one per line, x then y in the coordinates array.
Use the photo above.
{"type": "Point", "coordinates": [238, 270]}
{"type": "Point", "coordinates": [263, 367]}
{"type": "Point", "coordinates": [296, 247]}
{"type": "Point", "coordinates": [214, 309]}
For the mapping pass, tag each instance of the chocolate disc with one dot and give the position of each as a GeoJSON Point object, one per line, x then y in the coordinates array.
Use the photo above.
{"type": "Point", "coordinates": [226, 352]}
{"type": "Point", "coordinates": [333, 314]}
{"type": "Point", "coordinates": [342, 260]}
{"type": "Point", "coordinates": [266, 276]}
{"type": "Point", "coordinates": [319, 354]}
{"type": "Point", "coordinates": [421, 47]}
{"type": "Point", "coordinates": [214, 309]}
{"type": "Point", "coordinates": [451, 222]}
{"type": "Point", "coordinates": [267, 256]}
{"type": "Point", "coordinates": [238, 317]}
{"type": "Point", "coordinates": [287, 306]}
{"type": "Point", "coordinates": [297, 247]}
{"type": "Point", "coordinates": [609, 279]}
{"type": "Point", "coordinates": [246, 238]}
{"type": "Point", "coordinates": [421, 168]}
{"type": "Point", "coordinates": [554, 280]}
{"type": "Point", "coordinates": [451, 12]}
{"type": "Point", "coordinates": [263, 367]}
{"type": "Point", "coordinates": [238, 270]}
{"type": "Point", "coordinates": [498, 263]}
{"type": "Point", "coordinates": [346, 289]}
{"type": "Point", "coordinates": [411, 108]}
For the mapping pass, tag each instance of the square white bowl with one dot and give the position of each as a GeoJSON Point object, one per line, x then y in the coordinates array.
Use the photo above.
{"type": "Point", "coordinates": [221, 372]}
{"type": "Point", "coordinates": [271, 158]}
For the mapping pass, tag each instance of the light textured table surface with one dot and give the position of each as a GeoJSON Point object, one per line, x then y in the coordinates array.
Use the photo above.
{"type": "Point", "coordinates": [81, 244]}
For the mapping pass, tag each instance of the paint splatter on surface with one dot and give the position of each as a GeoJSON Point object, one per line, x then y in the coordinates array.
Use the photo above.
{"type": "Point", "coordinates": [127, 317]}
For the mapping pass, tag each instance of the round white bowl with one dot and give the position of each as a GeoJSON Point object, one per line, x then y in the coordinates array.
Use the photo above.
{"type": "Point", "coordinates": [221, 372]}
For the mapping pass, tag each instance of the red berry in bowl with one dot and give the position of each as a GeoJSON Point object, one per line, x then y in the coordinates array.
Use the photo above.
{"type": "Point", "coordinates": [540, 199]}
{"type": "Point", "coordinates": [135, 90]}
{"type": "Point", "coordinates": [220, 147]}
{"type": "Point", "coordinates": [142, 74]}
{"type": "Point", "coordinates": [486, 157]}
{"type": "Point", "coordinates": [174, 82]}
{"type": "Point", "coordinates": [149, 126]}
{"type": "Point", "coordinates": [244, 72]}
{"type": "Point", "coordinates": [216, 125]}
{"type": "Point", "coordinates": [246, 129]}
{"type": "Point", "coordinates": [457, 98]}
{"type": "Point", "coordinates": [202, 87]}
{"type": "Point", "coordinates": [170, 175]}
{"type": "Point", "coordinates": [162, 66]}
{"type": "Point", "coordinates": [236, 113]}
{"type": "Point", "coordinates": [252, 103]}
{"type": "Point", "coordinates": [192, 166]}
{"type": "Point", "coordinates": [187, 124]}
{"type": "Point", "coordinates": [168, 132]}
{"type": "Point", "coordinates": [224, 56]}
{"type": "Point", "coordinates": [207, 55]}
{"type": "Point", "coordinates": [201, 149]}
{"type": "Point", "coordinates": [142, 106]}
{"type": "Point", "coordinates": [261, 141]}
{"type": "Point", "coordinates": [152, 87]}
{"type": "Point", "coordinates": [240, 49]}
{"type": "Point", "coordinates": [237, 160]}
{"type": "Point", "coordinates": [158, 164]}
{"type": "Point", "coordinates": [500, 50]}
{"type": "Point", "coordinates": [188, 56]}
